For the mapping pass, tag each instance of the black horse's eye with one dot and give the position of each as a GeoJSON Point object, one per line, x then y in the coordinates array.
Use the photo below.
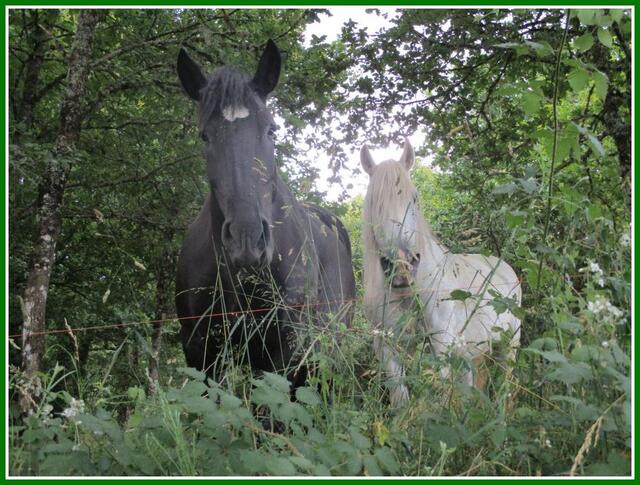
{"type": "Point", "coordinates": [272, 131]}
{"type": "Point", "coordinates": [204, 137]}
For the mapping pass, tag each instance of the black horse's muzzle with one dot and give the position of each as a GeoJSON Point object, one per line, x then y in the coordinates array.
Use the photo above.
{"type": "Point", "coordinates": [247, 247]}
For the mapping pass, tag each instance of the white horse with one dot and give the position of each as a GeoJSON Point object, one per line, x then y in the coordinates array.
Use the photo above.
{"type": "Point", "coordinates": [407, 269]}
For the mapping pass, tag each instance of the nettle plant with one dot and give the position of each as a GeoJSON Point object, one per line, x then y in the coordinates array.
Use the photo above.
{"type": "Point", "coordinates": [197, 429]}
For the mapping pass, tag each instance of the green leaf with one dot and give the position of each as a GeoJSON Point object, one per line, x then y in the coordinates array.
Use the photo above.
{"type": "Point", "coordinates": [584, 42]}
{"type": "Point", "coordinates": [592, 141]}
{"type": "Point", "coordinates": [602, 19]}
{"type": "Point", "coordinates": [308, 396]}
{"type": "Point", "coordinates": [550, 355]}
{"type": "Point", "coordinates": [301, 462]}
{"type": "Point", "coordinates": [498, 436]}
{"type": "Point", "coordinates": [542, 49]}
{"type": "Point", "coordinates": [594, 211]}
{"type": "Point", "coordinates": [569, 399]}
{"type": "Point", "coordinates": [371, 468]}
{"type": "Point", "coordinates": [531, 103]}
{"type": "Point", "coordinates": [136, 393]}
{"type": "Point", "coordinates": [276, 381]}
{"type": "Point", "coordinates": [601, 83]}
{"type": "Point", "coordinates": [616, 14]}
{"type": "Point", "coordinates": [586, 16]}
{"type": "Point", "coordinates": [616, 465]}
{"type": "Point", "coordinates": [571, 136]}
{"type": "Point", "coordinates": [191, 372]}
{"type": "Point", "coordinates": [359, 440]}
{"type": "Point", "coordinates": [279, 466]}
{"type": "Point", "coordinates": [563, 148]}
{"type": "Point", "coordinates": [578, 79]}
{"type": "Point", "coordinates": [544, 343]}
{"type": "Point", "coordinates": [459, 295]}
{"type": "Point", "coordinates": [254, 461]}
{"type": "Point", "coordinates": [571, 324]}
{"type": "Point", "coordinates": [529, 185]}
{"type": "Point", "coordinates": [514, 218]}
{"type": "Point", "coordinates": [387, 460]}
{"type": "Point", "coordinates": [605, 37]}
{"type": "Point", "coordinates": [507, 188]}
{"type": "Point", "coordinates": [571, 373]}
{"type": "Point", "coordinates": [595, 145]}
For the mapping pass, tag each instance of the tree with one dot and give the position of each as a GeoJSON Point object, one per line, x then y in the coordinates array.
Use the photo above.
{"type": "Point", "coordinates": [51, 191]}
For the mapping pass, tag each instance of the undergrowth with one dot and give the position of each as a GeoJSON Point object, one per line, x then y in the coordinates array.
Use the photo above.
{"type": "Point", "coordinates": [564, 410]}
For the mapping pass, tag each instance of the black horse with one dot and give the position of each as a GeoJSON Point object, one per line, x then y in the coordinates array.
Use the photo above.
{"type": "Point", "coordinates": [258, 269]}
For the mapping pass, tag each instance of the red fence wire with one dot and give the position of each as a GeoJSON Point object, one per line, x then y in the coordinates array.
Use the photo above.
{"type": "Point", "coordinates": [217, 314]}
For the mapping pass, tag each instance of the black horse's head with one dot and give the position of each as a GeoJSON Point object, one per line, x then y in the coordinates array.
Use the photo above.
{"type": "Point", "coordinates": [238, 130]}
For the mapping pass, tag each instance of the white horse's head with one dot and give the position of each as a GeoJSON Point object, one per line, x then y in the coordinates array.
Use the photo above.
{"type": "Point", "coordinates": [392, 213]}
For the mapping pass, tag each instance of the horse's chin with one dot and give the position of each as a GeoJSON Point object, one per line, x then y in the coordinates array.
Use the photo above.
{"type": "Point", "coordinates": [252, 260]}
{"type": "Point", "coordinates": [405, 292]}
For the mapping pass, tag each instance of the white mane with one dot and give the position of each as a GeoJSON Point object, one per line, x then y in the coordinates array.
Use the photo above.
{"type": "Point", "coordinates": [390, 191]}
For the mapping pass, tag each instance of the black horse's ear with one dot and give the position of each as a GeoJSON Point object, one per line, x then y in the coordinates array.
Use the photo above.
{"type": "Point", "coordinates": [268, 70]}
{"type": "Point", "coordinates": [190, 75]}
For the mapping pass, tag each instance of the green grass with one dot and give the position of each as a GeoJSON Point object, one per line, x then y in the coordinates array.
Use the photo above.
{"type": "Point", "coordinates": [565, 409]}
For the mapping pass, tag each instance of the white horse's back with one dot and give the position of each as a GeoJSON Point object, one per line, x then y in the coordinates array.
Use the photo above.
{"type": "Point", "coordinates": [471, 326]}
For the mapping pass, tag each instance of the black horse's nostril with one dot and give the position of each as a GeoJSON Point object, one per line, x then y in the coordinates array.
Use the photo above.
{"type": "Point", "coordinates": [265, 236]}
{"type": "Point", "coordinates": [226, 232]}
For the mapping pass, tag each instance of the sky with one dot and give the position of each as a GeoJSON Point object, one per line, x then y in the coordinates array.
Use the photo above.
{"type": "Point", "coordinates": [331, 27]}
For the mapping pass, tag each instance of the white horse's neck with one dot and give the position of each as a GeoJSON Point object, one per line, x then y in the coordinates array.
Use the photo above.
{"type": "Point", "coordinates": [434, 252]}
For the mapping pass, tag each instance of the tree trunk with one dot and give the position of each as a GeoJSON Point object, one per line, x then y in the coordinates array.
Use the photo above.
{"type": "Point", "coordinates": [616, 107]}
{"type": "Point", "coordinates": [164, 307]}
{"type": "Point", "coordinates": [33, 65]}
{"type": "Point", "coordinates": [50, 193]}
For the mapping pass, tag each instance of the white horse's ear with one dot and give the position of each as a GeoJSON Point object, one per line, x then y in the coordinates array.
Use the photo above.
{"type": "Point", "coordinates": [366, 160]}
{"type": "Point", "coordinates": [407, 156]}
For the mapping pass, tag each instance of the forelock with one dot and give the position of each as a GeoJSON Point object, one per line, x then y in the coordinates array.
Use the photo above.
{"type": "Point", "coordinates": [389, 187]}
{"type": "Point", "coordinates": [226, 93]}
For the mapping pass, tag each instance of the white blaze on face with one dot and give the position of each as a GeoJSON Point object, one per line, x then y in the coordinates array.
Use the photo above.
{"type": "Point", "coordinates": [232, 113]}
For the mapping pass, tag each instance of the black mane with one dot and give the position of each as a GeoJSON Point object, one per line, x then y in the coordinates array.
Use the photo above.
{"type": "Point", "coordinates": [227, 86]}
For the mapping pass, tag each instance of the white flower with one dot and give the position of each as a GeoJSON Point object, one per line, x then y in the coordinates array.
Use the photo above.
{"type": "Point", "coordinates": [616, 312]}
{"type": "Point", "coordinates": [625, 240]}
{"type": "Point", "coordinates": [547, 443]}
{"type": "Point", "coordinates": [605, 344]}
{"type": "Point", "coordinates": [603, 307]}
{"type": "Point", "coordinates": [595, 267]}
{"type": "Point", "coordinates": [382, 333]}
{"type": "Point", "coordinates": [76, 406]}
{"type": "Point", "coordinates": [46, 413]}
{"type": "Point", "coordinates": [458, 341]}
